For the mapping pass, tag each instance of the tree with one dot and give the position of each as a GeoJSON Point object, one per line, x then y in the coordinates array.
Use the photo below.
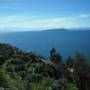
{"type": "Point", "coordinates": [82, 72]}
{"type": "Point", "coordinates": [70, 62]}
{"type": "Point", "coordinates": [55, 56]}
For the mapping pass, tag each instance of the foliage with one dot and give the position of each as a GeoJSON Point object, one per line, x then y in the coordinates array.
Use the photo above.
{"type": "Point", "coordinates": [30, 71]}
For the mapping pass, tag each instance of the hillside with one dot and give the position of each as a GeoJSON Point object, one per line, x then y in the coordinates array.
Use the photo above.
{"type": "Point", "coordinates": [31, 71]}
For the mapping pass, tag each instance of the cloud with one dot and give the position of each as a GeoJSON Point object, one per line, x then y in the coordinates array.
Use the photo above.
{"type": "Point", "coordinates": [7, 7]}
{"type": "Point", "coordinates": [84, 15]}
{"type": "Point", "coordinates": [27, 21]}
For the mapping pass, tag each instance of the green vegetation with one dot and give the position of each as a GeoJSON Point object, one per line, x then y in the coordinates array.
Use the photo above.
{"type": "Point", "coordinates": [30, 71]}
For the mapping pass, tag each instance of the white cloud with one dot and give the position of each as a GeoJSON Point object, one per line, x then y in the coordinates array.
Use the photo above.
{"type": "Point", "coordinates": [7, 7]}
{"type": "Point", "coordinates": [26, 21]}
{"type": "Point", "coordinates": [84, 15]}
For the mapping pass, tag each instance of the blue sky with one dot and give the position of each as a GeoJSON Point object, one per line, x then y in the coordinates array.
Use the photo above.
{"type": "Point", "coordinates": [43, 14]}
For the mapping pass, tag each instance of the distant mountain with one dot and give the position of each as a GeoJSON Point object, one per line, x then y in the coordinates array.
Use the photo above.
{"type": "Point", "coordinates": [59, 29]}
{"type": "Point", "coordinates": [80, 28]}
{"type": "Point", "coordinates": [64, 29]}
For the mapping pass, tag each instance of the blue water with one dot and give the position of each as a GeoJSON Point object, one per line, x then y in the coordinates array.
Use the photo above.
{"type": "Point", "coordinates": [66, 42]}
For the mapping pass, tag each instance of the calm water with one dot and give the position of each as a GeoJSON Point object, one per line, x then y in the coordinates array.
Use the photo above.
{"type": "Point", "coordinates": [66, 42]}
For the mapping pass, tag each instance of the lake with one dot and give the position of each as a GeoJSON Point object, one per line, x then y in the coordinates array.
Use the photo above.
{"type": "Point", "coordinates": [67, 42]}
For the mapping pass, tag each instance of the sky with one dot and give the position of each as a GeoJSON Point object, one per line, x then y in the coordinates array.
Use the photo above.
{"type": "Point", "coordinates": [43, 14]}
